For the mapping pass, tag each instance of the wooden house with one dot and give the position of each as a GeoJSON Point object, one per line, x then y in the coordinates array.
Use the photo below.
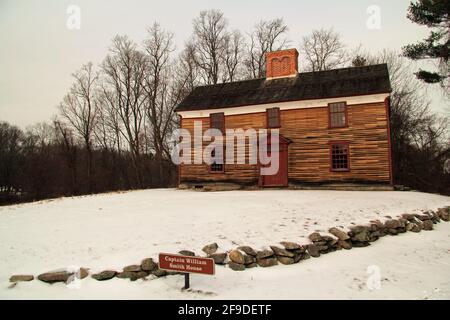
{"type": "Point", "coordinates": [333, 124]}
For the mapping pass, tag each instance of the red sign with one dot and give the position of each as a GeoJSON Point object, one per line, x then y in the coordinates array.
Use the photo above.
{"type": "Point", "coordinates": [187, 264]}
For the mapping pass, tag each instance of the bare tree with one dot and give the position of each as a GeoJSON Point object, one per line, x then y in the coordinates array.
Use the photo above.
{"type": "Point", "coordinates": [267, 36]}
{"type": "Point", "coordinates": [158, 110]}
{"type": "Point", "coordinates": [234, 54]}
{"type": "Point", "coordinates": [79, 110]}
{"type": "Point", "coordinates": [187, 67]}
{"type": "Point", "coordinates": [323, 50]}
{"type": "Point", "coordinates": [65, 138]}
{"type": "Point", "coordinates": [10, 146]}
{"type": "Point", "coordinates": [209, 37]}
{"type": "Point", "coordinates": [124, 70]}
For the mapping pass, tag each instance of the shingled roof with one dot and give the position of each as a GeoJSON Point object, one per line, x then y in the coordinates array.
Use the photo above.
{"type": "Point", "coordinates": [305, 86]}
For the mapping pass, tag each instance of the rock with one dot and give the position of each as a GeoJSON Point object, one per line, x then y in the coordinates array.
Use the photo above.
{"type": "Point", "coordinates": [236, 256]}
{"type": "Point", "coordinates": [248, 250]}
{"type": "Point", "coordinates": [210, 248]}
{"type": "Point", "coordinates": [219, 258]}
{"type": "Point", "coordinates": [104, 275]}
{"type": "Point", "coordinates": [313, 250]}
{"type": "Point", "coordinates": [373, 236]}
{"type": "Point", "coordinates": [341, 235]}
{"type": "Point", "coordinates": [322, 248]}
{"type": "Point", "coordinates": [290, 245]}
{"type": "Point", "coordinates": [159, 273]}
{"type": "Point", "coordinates": [125, 274]}
{"type": "Point", "coordinates": [409, 217]}
{"type": "Point", "coordinates": [436, 216]}
{"type": "Point", "coordinates": [298, 251]}
{"type": "Point", "coordinates": [62, 275]}
{"type": "Point", "coordinates": [248, 259]}
{"type": "Point", "coordinates": [281, 252]}
{"type": "Point", "coordinates": [251, 265]}
{"type": "Point", "coordinates": [148, 265]}
{"type": "Point", "coordinates": [187, 253]}
{"type": "Point", "coordinates": [332, 243]}
{"type": "Point", "coordinates": [360, 234]}
{"type": "Point", "coordinates": [444, 213]}
{"type": "Point", "coordinates": [409, 226]}
{"type": "Point", "coordinates": [327, 238]}
{"type": "Point", "coordinates": [83, 273]}
{"type": "Point", "coordinates": [358, 244]}
{"type": "Point", "coordinates": [297, 258]}
{"type": "Point", "coordinates": [236, 266]}
{"type": "Point", "coordinates": [267, 262]}
{"type": "Point", "coordinates": [315, 236]}
{"type": "Point", "coordinates": [402, 222]}
{"type": "Point", "coordinates": [138, 275]}
{"type": "Point", "coordinates": [392, 232]}
{"type": "Point", "coordinates": [358, 229]}
{"type": "Point", "coordinates": [264, 254]}
{"type": "Point", "coordinates": [132, 268]}
{"type": "Point", "coordinates": [392, 224]}
{"type": "Point", "coordinates": [422, 217]}
{"type": "Point", "coordinates": [132, 275]}
{"type": "Point", "coordinates": [378, 224]}
{"type": "Point", "coordinates": [305, 256]}
{"type": "Point", "coordinates": [56, 276]}
{"type": "Point", "coordinates": [401, 230]}
{"type": "Point", "coordinates": [347, 245]}
{"type": "Point", "coordinates": [416, 227]}
{"type": "Point", "coordinates": [360, 237]}
{"type": "Point", "coordinates": [285, 260]}
{"type": "Point", "coordinates": [21, 277]}
{"type": "Point", "coordinates": [427, 225]}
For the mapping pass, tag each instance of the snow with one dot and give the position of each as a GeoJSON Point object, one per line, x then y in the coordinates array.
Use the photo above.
{"type": "Point", "coordinates": [117, 229]}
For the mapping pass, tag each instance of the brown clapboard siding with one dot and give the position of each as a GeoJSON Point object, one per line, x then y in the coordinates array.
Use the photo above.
{"type": "Point", "coordinates": [309, 152]}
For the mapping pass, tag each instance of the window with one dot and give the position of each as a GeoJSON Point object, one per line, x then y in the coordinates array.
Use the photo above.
{"type": "Point", "coordinates": [217, 121]}
{"type": "Point", "coordinates": [216, 167]}
{"type": "Point", "coordinates": [337, 114]}
{"type": "Point", "coordinates": [339, 154]}
{"type": "Point", "coordinates": [273, 118]}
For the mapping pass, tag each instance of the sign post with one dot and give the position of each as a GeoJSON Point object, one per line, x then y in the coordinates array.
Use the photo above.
{"type": "Point", "coordinates": [186, 265]}
{"type": "Point", "coordinates": [186, 281]}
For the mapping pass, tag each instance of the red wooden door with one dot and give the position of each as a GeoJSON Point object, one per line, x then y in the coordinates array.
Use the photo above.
{"type": "Point", "coordinates": [281, 177]}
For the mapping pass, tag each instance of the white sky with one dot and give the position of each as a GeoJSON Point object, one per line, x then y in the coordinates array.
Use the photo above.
{"type": "Point", "coordinates": [38, 53]}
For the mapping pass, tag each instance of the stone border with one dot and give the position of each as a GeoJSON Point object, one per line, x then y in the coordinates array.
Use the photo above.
{"type": "Point", "coordinates": [244, 257]}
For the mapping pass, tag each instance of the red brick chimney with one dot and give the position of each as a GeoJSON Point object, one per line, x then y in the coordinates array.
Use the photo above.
{"type": "Point", "coordinates": [283, 63]}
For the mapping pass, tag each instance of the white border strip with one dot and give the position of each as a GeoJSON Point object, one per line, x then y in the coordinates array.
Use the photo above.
{"type": "Point", "coordinates": [302, 104]}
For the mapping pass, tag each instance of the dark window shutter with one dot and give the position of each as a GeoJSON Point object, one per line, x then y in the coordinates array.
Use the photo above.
{"type": "Point", "coordinates": [273, 117]}
{"type": "Point", "coordinates": [217, 121]}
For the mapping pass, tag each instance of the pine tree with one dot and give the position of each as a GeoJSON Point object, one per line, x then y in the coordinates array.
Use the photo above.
{"type": "Point", "coordinates": [435, 15]}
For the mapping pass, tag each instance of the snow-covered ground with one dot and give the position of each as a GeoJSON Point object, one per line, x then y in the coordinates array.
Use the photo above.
{"type": "Point", "coordinates": [117, 229]}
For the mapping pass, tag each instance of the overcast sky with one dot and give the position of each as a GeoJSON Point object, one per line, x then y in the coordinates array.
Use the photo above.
{"type": "Point", "coordinates": [38, 53]}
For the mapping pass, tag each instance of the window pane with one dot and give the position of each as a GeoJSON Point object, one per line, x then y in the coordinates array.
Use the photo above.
{"type": "Point", "coordinates": [339, 157]}
{"type": "Point", "coordinates": [337, 114]}
{"type": "Point", "coordinates": [219, 165]}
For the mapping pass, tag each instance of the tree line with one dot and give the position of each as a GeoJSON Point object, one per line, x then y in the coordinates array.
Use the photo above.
{"type": "Point", "coordinates": [113, 128]}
